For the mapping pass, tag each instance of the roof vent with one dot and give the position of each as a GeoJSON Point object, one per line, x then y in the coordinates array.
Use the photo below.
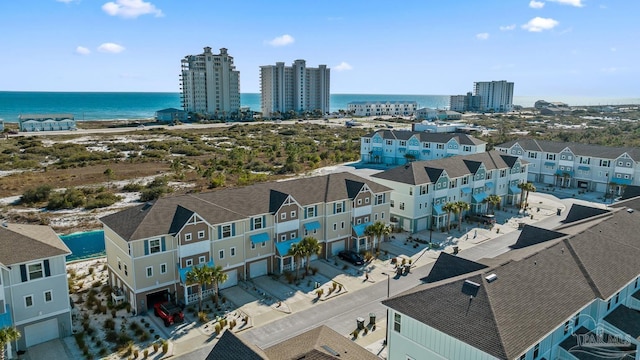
{"type": "Point", "coordinates": [629, 211]}
{"type": "Point", "coordinates": [470, 288]}
{"type": "Point", "coordinates": [491, 278]}
{"type": "Point", "coordinates": [330, 350]}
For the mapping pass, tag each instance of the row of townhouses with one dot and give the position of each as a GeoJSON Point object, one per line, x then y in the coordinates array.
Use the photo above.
{"type": "Point", "coordinates": [568, 293]}
{"type": "Point", "coordinates": [248, 231]}
{"type": "Point", "coordinates": [590, 167]}
{"type": "Point", "coordinates": [421, 188]}
{"type": "Point", "coordinates": [34, 297]}
{"type": "Point", "coordinates": [399, 147]}
{"type": "Point", "coordinates": [380, 108]}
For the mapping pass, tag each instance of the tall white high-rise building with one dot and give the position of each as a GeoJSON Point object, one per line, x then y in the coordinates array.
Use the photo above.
{"type": "Point", "coordinates": [494, 95]}
{"type": "Point", "coordinates": [210, 84]}
{"type": "Point", "coordinates": [295, 88]}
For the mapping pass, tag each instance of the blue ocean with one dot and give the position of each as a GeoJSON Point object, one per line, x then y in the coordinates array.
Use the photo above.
{"type": "Point", "coordinates": [143, 105]}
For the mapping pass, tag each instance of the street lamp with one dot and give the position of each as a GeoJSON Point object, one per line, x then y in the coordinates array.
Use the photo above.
{"type": "Point", "coordinates": [386, 334]}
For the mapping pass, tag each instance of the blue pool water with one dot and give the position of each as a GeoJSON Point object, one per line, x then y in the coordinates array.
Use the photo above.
{"type": "Point", "coordinates": [84, 245]}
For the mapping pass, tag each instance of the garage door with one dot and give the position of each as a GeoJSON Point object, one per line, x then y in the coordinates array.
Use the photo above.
{"type": "Point", "coordinates": [336, 247]}
{"type": "Point", "coordinates": [258, 268]}
{"type": "Point", "coordinates": [422, 224]}
{"type": "Point", "coordinates": [232, 279]}
{"type": "Point", "coordinates": [41, 332]}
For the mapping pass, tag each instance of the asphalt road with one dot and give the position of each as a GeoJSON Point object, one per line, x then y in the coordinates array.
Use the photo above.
{"type": "Point", "coordinates": [341, 314]}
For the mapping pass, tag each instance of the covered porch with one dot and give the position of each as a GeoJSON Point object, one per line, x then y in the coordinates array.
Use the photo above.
{"type": "Point", "coordinates": [284, 261]}
{"type": "Point", "coordinates": [191, 291]}
{"type": "Point", "coordinates": [439, 217]}
{"type": "Point", "coordinates": [478, 203]}
{"type": "Point", "coordinates": [360, 239]}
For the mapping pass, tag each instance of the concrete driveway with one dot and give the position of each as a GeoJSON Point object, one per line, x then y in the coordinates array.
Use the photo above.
{"type": "Point", "coordinates": [54, 349]}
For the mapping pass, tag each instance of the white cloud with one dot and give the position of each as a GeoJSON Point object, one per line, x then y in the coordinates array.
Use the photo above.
{"type": "Point", "coordinates": [81, 50]}
{"type": "Point", "coordinates": [343, 66]}
{"type": "Point", "coordinates": [283, 40]}
{"type": "Point", "coordinates": [576, 3]}
{"type": "Point", "coordinates": [508, 27]}
{"type": "Point", "coordinates": [482, 36]}
{"type": "Point", "coordinates": [609, 70]}
{"type": "Point", "coordinates": [131, 9]}
{"type": "Point", "coordinates": [111, 48]}
{"type": "Point", "coordinates": [536, 4]}
{"type": "Point", "coordinates": [538, 24]}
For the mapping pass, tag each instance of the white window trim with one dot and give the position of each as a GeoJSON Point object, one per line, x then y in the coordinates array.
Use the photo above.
{"type": "Point", "coordinates": [283, 215]}
{"type": "Point", "coordinates": [264, 244]}
{"type": "Point", "coordinates": [41, 269]}
{"type": "Point", "coordinates": [44, 296]}
{"type": "Point", "coordinates": [201, 234]}
{"type": "Point", "coordinates": [232, 251]}
{"type": "Point", "coordinates": [221, 254]}
{"type": "Point", "coordinates": [187, 237]}
{"type": "Point", "coordinates": [146, 271]}
{"type": "Point", "coordinates": [202, 259]}
{"type": "Point", "coordinates": [253, 245]}
{"type": "Point", "coordinates": [188, 262]}
{"type": "Point", "coordinates": [293, 214]}
{"type": "Point", "coordinates": [159, 245]}
{"type": "Point", "coordinates": [165, 268]}
{"type": "Point", "coordinates": [25, 301]}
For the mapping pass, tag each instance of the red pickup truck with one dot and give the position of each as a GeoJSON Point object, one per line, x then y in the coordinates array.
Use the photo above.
{"type": "Point", "coordinates": [168, 312]}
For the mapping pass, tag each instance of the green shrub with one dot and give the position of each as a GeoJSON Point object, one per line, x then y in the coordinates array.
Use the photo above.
{"type": "Point", "coordinates": [132, 187]}
{"type": "Point", "coordinates": [37, 195]}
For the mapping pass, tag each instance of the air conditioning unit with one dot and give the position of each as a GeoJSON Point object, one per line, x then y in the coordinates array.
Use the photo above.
{"type": "Point", "coordinates": [491, 278]}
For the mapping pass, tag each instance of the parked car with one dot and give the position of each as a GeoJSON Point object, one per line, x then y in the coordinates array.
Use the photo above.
{"type": "Point", "coordinates": [351, 256]}
{"type": "Point", "coordinates": [485, 219]}
{"type": "Point", "coordinates": [168, 312]}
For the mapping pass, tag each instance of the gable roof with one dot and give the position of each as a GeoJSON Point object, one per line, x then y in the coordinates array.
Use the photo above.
{"type": "Point", "coordinates": [532, 235]}
{"type": "Point", "coordinates": [534, 295]}
{"type": "Point", "coordinates": [232, 347]}
{"type": "Point", "coordinates": [426, 172]}
{"type": "Point", "coordinates": [166, 215]}
{"type": "Point", "coordinates": [442, 138]}
{"type": "Point", "coordinates": [20, 243]}
{"type": "Point", "coordinates": [581, 212]}
{"type": "Point", "coordinates": [630, 192]}
{"type": "Point", "coordinates": [448, 266]}
{"type": "Point", "coordinates": [318, 344]}
{"type": "Point", "coordinates": [591, 150]}
{"type": "Point", "coordinates": [353, 188]}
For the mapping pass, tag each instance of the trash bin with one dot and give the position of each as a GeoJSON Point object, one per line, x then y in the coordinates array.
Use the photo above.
{"type": "Point", "coordinates": [455, 250]}
{"type": "Point", "coordinates": [558, 211]}
{"type": "Point", "coordinates": [360, 322]}
{"type": "Point", "coordinates": [372, 318]}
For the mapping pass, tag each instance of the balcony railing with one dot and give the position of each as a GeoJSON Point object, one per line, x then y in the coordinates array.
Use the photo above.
{"type": "Point", "coordinates": [194, 297]}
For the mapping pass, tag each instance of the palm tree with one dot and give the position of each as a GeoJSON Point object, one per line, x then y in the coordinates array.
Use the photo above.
{"type": "Point", "coordinates": [525, 188]}
{"type": "Point", "coordinates": [376, 231]}
{"type": "Point", "coordinates": [462, 207]}
{"type": "Point", "coordinates": [7, 335]}
{"type": "Point", "coordinates": [298, 252]}
{"type": "Point", "coordinates": [493, 201]}
{"type": "Point", "coordinates": [218, 276]}
{"type": "Point", "coordinates": [311, 247]}
{"type": "Point", "coordinates": [450, 208]}
{"type": "Point", "coordinates": [521, 186]}
{"type": "Point", "coordinates": [200, 275]}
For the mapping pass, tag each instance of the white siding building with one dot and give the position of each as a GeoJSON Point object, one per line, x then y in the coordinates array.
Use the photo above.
{"type": "Point", "coordinates": [566, 294]}
{"type": "Point", "coordinates": [586, 166]}
{"type": "Point", "coordinates": [380, 108]}
{"type": "Point", "coordinates": [210, 84]}
{"type": "Point", "coordinates": [296, 88]}
{"type": "Point", "coordinates": [421, 188]}
{"type": "Point", "coordinates": [34, 295]}
{"type": "Point", "coordinates": [399, 147]}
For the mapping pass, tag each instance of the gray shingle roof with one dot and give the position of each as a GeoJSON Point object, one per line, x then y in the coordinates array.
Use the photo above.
{"type": "Point", "coordinates": [625, 319]}
{"type": "Point", "coordinates": [422, 136]}
{"type": "Point", "coordinates": [591, 150]}
{"type": "Point", "coordinates": [580, 212]}
{"type": "Point", "coordinates": [318, 344]}
{"type": "Point", "coordinates": [532, 235]}
{"type": "Point", "coordinates": [21, 243]}
{"type": "Point", "coordinates": [232, 347]}
{"type": "Point", "coordinates": [167, 214]}
{"type": "Point", "coordinates": [532, 296]}
{"type": "Point", "coordinates": [425, 172]}
{"type": "Point", "coordinates": [448, 266]}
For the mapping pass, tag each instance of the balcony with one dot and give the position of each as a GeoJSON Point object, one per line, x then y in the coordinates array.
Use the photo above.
{"type": "Point", "coordinates": [117, 296]}
{"type": "Point", "coordinates": [194, 297]}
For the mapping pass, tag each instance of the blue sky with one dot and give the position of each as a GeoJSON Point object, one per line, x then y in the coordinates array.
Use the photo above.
{"type": "Point", "coordinates": [547, 47]}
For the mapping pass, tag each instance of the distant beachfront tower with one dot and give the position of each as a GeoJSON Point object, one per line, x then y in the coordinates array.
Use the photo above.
{"type": "Point", "coordinates": [296, 88]}
{"type": "Point", "coordinates": [464, 103]}
{"type": "Point", "coordinates": [379, 108]}
{"type": "Point", "coordinates": [210, 85]}
{"type": "Point", "coordinates": [495, 96]}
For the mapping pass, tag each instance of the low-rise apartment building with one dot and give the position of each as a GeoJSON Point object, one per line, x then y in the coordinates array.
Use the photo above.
{"type": "Point", "coordinates": [380, 108]}
{"type": "Point", "coordinates": [421, 188]}
{"type": "Point", "coordinates": [591, 167]}
{"type": "Point", "coordinates": [399, 147]}
{"type": "Point", "coordinates": [34, 295]}
{"type": "Point", "coordinates": [248, 231]}
{"type": "Point", "coordinates": [570, 293]}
